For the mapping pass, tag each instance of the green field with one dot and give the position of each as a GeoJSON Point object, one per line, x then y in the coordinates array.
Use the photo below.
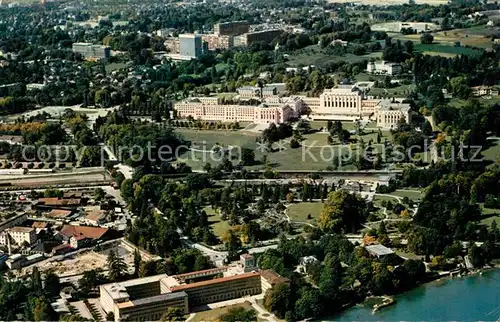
{"type": "Point", "coordinates": [219, 226]}
{"type": "Point", "coordinates": [315, 55]}
{"type": "Point", "coordinates": [445, 50]}
{"type": "Point", "coordinates": [213, 315]}
{"type": "Point", "coordinates": [490, 216]}
{"type": "Point", "coordinates": [299, 211]}
{"type": "Point", "coordinates": [377, 200]}
{"type": "Point", "coordinates": [492, 153]}
{"type": "Point", "coordinates": [398, 91]}
{"type": "Point", "coordinates": [483, 100]}
{"type": "Point", "coordinates": [314, 154]}
{"type": "Point", "coordinates": [411, 194]}
{"type": "Point", "coordinates": [114, 66]}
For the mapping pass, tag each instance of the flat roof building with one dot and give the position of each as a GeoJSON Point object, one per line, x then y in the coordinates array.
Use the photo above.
{"type": "Point", "coordinates": [91, 51]}
{"type": "Point", "coordinates": [233, 28]}
{"type": "Point", "coordinates": [190, 45]}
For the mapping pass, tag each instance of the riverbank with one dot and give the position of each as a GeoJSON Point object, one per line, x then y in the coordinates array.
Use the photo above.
{"type": "Point", "coordinates": [469, 298]}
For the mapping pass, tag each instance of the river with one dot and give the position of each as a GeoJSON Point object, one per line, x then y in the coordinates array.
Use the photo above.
{"type": "Point", "coordinates": [470, 298]}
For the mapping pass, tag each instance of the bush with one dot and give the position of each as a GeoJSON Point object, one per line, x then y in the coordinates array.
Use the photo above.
{"type": "Point", "coordinates": [490, 201]}
{"type": "Point", "coordinates": [31, 165]}
{"type": "Point", "coordinates": [52, 165]}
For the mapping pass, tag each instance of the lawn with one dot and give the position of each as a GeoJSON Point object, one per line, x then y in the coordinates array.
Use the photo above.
{"type": "Point", "coordinates": [492, 153]}
{"type": "Point", "coordinates": [445, 50]}
{"type": "Point", "coordinates": [219, 226]}
{"type": "Point", "coordinates": [488, 101]}
{"type": "Point", "coordinates": [377, 200]}
{"type": "Point", "coordinates": [315, 55]}
{"type": "Point", "coordinates": [213, 315]}
{"type": "Point", "coordinates": [490, 215]}
{"type": "Point", "coordinates": [299, 211]}
{"type": "Point", "coordinates": [114, 66]}
{"type": "Point", "coordinates": [398, 91]}
{"type": "Point", "coordinates": [411, 194]}
{"type": "Point", "coordinates": [314, 154]}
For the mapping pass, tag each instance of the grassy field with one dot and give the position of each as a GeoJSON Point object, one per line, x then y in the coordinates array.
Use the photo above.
{"type": "Point", "coordinates": [219, 226]}
{"type": "Point", "coordinates": [476, 36]}
{"type": "Point", "coordinates": [445, 50]}
{"type": "Point", "coordinates": [492, 153]}
{"type": "Point", "coordinates": [114, 66]}
{"type": "Point", "coordinates": [377, 200]}
{"type": "Point", "coordinates": [490, 216]}
{"type": "Point", "coordinates": [397, 91]}
{"type": "Point", "coordinates": [314, 55]}
{"type": "Point", "coordinates": [488, 101]}
{"type": "Point", "coordinates": [300, 211]}
{"type": "Point", "coordinates": [213, 315]}
{"type": "Point", "coordinates": [411, 194]}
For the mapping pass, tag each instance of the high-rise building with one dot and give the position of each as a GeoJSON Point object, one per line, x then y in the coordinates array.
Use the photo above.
{"type": "Point", "coordinates": [190, 45]}
{"type": "Point", "coordinates": [233, 28]}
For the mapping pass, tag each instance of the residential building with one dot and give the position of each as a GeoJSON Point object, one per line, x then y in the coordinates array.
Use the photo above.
{"type": "Point", "coordinates": [215, 41]}
{"type": "Point", "coordinates": [18, 235]}
{"type": "Point", "coordinates": [265, 36]}
{"type": "Point", "coordinates": [384, 67]}
{"type": "Point", "coordinates": [233, 28]}
{"type": "Point", "coordinates": [91, 51]}
{"type": "Point", "coordinates": [79, 236]}
{"type": "Point", "coordinates": [190, 45]}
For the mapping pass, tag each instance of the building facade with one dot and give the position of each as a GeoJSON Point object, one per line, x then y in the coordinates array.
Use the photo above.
{"type": "Point", "coordinates": [190, 45]}
{"type": "Point", "coordinates": [233, 28]}
{"type": "Point", "coordinates": [18, 235]}
{"type": "Point", "coordinates": [345, 103]}
{"type": "Point", "coordinates": [384, 68]}
{"type": "Point", "coordinates": [265, 36]}
{"type": "Point", "coordinates": [215, 41]}
{"type": "Point", "coordinates": [91, 51]}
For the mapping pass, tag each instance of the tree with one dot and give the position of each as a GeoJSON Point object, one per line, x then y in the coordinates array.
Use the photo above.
{"type": "Point", "coordinates": [36, 281]}
{"type": "Point", "coordinates": [117, 268]}
{"type": "Point", "coordinates": [99, 194]}
{"type": "Point", "coordinates": [309, 304]}
{"type": "Point", "coordinates": [247, 156]}
{"type": "Point", "coordinates": [277, 299]}
{"type": "Point", "coordinates": [90, 280]}
{"type": "Point", "coordinates": [290, 197]}
{"type": "Point", "coordinates": [173, 313]}
{"type": "Point", "coordinates": [52, 285]}
{"type": "Point", "coordinates": [426, 38]}
{"type": "Point", "coordinates": [137, 261]}
{"type": "Point", "coordinates": [342, 210]}
{"type": "Point", "coordinates": [239, 314]}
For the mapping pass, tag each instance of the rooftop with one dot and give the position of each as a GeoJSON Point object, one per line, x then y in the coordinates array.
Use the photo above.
{"type": "Point", "coordinates": [19, 229]}
{"type": "Point", "coordinates": [379, 250]}
{"type": "Point", "coordinates": [85, 231]}
{"type": "Point", "coordinates": [156, 298]}
{"type": "Point", "coordinates": [119, 290]}
{"type": "Point", "coordinates": [59, 213]}
{"type": "Point", "coordinates": [214, 281]}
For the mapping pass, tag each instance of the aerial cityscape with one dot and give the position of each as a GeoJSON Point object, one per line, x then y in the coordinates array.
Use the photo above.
{"type": "Point", "coordinates": [249, 160]}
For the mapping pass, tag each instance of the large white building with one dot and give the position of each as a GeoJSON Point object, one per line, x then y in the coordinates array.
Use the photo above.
{"type": "Point", "coordinates": [346, 103]}
{"type": "Point", "coordinates": [384, 68]}
{"type": "Point", "coordinates": [19, 235]}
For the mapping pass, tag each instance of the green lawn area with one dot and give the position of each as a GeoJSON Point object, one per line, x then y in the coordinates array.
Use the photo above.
{"type": "Point", "coordinates": [411, 194]}
{"type": "Point", "coordinates": [114, 66]}
{"type": "Point", "coordinates": [445, 50]}
{"type": "Point", "coordinates": [315, 154]}
{"type": "Point", "coordinates": [299, 211]}
{"type": "Point", "coordinates": [377, 200]}
{"type": "Point", "coordinates": [490, 215]}
{"type": "Point", "coordinates": [402, 90]}
{"type": "Point", "coordinates": [492, 153]}
{"type": "Point", "coordinates": [315, 55]}
{"type": "Point", "coordinates": [483, 100]}
{"type": "Point", "coordinates": [213, 315]}
{"type": "Point", "coordinates": [219, 226]}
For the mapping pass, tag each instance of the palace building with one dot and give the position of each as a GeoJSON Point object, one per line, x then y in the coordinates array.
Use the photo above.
{"type": "Point", "coordinates": [345, 103]}
{"type": "Point", "coordinates": [148, 298]}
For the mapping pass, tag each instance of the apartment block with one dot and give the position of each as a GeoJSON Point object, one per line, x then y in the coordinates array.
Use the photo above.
{"type": "Point", "coordinates": [18, 235]}
{"type": "Point", "coordinates": [265, 36]}
{"type": "Point", "coordinates": [233, 28]}
{"type": "Point", "coordinates": [384, 68]}
{"type": "Point", "coordinates": [215, 41]}
{"type": "Point", "coordinates": [91, 51]}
